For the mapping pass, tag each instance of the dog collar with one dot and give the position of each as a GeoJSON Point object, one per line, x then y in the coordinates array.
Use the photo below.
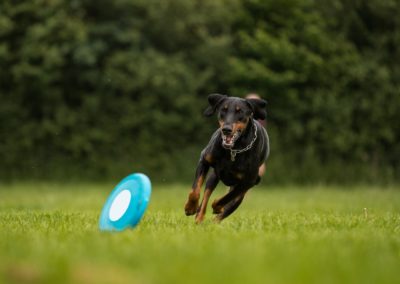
{"type": "Point", "coordinates": [234, 152]}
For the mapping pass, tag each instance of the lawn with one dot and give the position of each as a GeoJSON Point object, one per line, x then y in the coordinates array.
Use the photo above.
{"type": "Point", "coordinates": [49, 234]}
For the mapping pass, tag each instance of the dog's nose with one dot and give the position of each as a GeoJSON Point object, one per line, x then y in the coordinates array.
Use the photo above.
{"type": "Point", "coordinates": [227, 129]}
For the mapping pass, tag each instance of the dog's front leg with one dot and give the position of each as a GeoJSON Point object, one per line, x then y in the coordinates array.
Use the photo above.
{"type": "Point", "coordinates": [211, 183]}
{"type": "Point", "coordinates": [193, 200]}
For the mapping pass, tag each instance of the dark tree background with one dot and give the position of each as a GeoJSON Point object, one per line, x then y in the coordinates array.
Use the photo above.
{"type": "Point", "coordinates": [98, 89]}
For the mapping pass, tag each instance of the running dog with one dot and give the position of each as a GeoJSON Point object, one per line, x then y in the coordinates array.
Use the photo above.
{"type": "Point", "coordinates": [235, 152]}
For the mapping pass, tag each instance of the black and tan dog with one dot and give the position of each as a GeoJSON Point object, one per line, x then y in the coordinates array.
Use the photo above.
{"type": "Point", "coordinates": [235, 152]}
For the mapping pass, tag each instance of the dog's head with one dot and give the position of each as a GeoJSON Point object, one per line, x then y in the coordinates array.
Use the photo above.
{"type": "Point", "coordinates": [234, 114]}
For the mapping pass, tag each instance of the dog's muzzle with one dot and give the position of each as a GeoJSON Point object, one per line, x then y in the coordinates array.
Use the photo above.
{"type": "Point", "coordinates": [228, 140]}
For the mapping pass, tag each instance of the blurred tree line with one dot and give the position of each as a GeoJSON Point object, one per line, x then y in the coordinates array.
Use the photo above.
{"type": "Point", "coordinates": [99, 89]}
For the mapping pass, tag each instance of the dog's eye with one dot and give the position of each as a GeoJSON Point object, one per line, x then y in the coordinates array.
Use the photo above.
{"type": "Point", "coordinates": [222, 112]}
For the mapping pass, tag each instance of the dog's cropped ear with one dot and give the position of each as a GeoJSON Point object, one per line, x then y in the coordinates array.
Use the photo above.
{"type": "Point", "coordinates": [259, 108]}
{"type": "Point", "coordinates": [214, 100]}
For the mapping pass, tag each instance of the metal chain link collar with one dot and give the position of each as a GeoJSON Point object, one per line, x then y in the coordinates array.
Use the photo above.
{"type": "Point", "coordinates": [248, 147]}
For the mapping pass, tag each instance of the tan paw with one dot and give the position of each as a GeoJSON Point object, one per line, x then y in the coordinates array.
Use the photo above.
{"type": "Point", "coordinates": [192, 204]}
{"type": "Point", "coordinates": [217, 209]}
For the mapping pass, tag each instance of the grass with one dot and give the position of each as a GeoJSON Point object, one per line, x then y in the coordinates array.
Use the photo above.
{"type": "Point", "coordinates": [49, 234]}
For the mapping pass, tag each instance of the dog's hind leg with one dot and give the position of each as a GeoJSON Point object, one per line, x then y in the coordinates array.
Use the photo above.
{"type": "Point", "coordinates": [218, 204]}
{"type": "Point", "coordinates": [229, 208]}
{"type": "Point", "coordinates": [211, 183]}
{"type": "Point", "coordinates": [193, 199]}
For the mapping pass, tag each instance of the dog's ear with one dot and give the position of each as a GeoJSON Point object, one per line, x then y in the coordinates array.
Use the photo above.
{"type": "Point", "coordinates": [214, 100]}
{"type": "Point", "coordinates": [258, 107]}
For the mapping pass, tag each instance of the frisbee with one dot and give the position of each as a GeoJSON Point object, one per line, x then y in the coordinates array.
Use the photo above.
{"type": "Point", "coordinates": [126, 204]}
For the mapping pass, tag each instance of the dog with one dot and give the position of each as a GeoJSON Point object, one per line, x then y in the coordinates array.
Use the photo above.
{"type": "Point", "coordinates": [235, 152]}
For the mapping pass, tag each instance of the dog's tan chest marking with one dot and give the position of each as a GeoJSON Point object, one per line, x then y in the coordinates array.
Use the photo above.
{"type": "Point", "coordinates": [209, 158]}
{"type": "Point", "coordinates": [239, 176]}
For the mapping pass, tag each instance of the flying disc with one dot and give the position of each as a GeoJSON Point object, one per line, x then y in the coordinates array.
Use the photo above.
{"type": "Point", "coordinates": [126, 204]}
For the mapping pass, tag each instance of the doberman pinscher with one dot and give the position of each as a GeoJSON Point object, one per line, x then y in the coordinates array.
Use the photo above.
{"type": "Point", "coordinates": [235, 152]}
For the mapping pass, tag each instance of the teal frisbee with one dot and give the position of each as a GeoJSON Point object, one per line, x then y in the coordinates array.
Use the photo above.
{"type": "Point", "coordinates": [126, 204]}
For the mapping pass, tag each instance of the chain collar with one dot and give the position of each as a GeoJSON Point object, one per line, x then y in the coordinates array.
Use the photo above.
{"type": "Point", "coordinates": [234, 152]}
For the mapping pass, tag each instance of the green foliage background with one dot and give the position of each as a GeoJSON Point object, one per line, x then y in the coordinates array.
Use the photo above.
{"type": "Point", "coordinates": [99, 89]}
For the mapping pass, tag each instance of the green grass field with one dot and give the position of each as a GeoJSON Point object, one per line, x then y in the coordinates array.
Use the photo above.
{"type": "Point", "coordinates": [49, 234]}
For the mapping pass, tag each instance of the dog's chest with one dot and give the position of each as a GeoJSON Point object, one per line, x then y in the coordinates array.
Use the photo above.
{"type": "Point", "coordinates": [239, 170]}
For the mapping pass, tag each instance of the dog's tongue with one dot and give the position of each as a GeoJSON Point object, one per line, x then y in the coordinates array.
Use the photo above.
{"type": "Point", "coordinates": [229, 139]}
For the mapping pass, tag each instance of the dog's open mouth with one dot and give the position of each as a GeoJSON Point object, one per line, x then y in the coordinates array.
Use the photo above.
{"type": "Point", "coordinates": [229, 140]}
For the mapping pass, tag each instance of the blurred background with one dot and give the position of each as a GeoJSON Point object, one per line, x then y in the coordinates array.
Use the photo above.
{"type": "Point", "coordinates": [95, 90]}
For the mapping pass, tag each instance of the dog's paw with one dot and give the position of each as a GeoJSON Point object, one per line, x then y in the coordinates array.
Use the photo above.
{"type": "Point", "coordinates": [218, 218]}
{"type": "Point", "coordinates": [192, 204]}
{"type": "Point", "coordinates": [199, 218]}
{"type": "Point", "coordinates": [217, 209]}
